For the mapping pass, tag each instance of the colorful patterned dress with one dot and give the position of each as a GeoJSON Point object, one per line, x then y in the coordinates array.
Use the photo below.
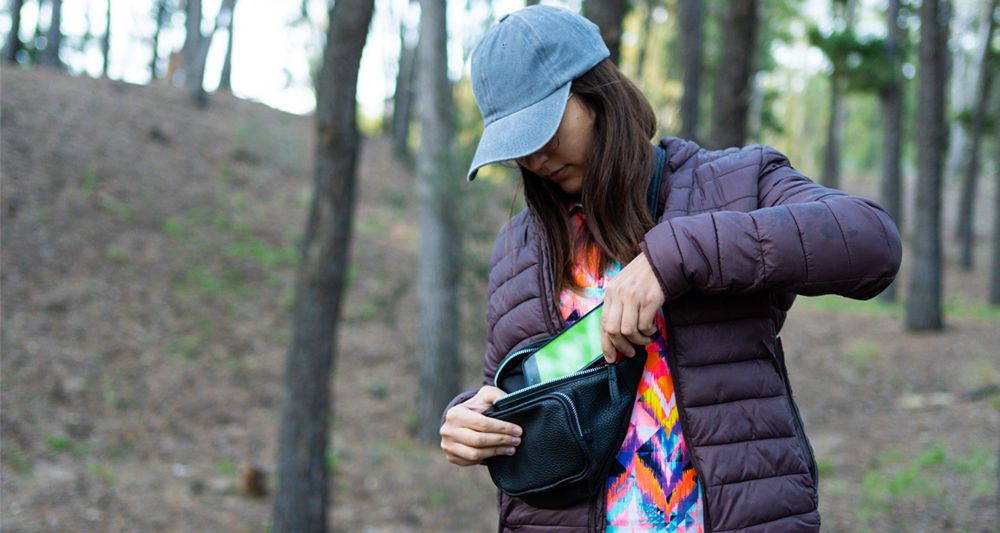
{"type": "Point", "coordinates": [652, 486]}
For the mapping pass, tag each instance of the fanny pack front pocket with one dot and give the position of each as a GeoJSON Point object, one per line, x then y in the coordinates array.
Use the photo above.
{"type": "Point", "coordinates": [553, 434]}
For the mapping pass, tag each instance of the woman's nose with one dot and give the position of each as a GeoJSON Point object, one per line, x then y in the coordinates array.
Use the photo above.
{"type": "Point", "coordinates": [534, 161]}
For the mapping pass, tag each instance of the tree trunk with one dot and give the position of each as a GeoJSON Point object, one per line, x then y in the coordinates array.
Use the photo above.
{"type": "Point", "coordinates": [892, 111]}
{"type": "Point", "coordinates": [964, 80]}
{"type": "Point", "coordinates": [923, 305]}
{"type": "Point", "coordinates": [53, 41]}
{"type": "Point", "coordinates": [440, 248]}
{"type": "Point", "coordinates": [301, 501]}
{"type": "Point", "coordinates": [994, 296]}
{"type": "Point", "coordinates": [830, 174]}
{"type": "Point", "coordinates": [192, 40]}
{"type": "Point", "coordinates": [402, 106]}
{"type": "Point", "coordinates": [161, 13]}
{"type": "Point", "coordinates": [13, 44]}
{"type": "Point", "coordinates": [691, 42]}
{"type": "Point", "coordinates": [106, 42]}
{"type": "Point", "coordinates": [965, 231]}
{"type": "Point", "coordinates": [225, 82]}
{"type": "Point", "coordinates": [647, 25]}
{"type": "Point", "coordinates": [195, 74]}
{"type": "Point", "coordinates": [733, 85]}
{"type": "Point", "coordinates": [608, 15]}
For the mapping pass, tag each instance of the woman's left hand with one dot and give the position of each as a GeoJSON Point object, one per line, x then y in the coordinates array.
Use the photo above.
{"type": "Point", "coordinates": [631, 300]}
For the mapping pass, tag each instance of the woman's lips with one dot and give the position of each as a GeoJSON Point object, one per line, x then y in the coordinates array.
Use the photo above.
{"type": "Point", "coordinates": [558, 175]}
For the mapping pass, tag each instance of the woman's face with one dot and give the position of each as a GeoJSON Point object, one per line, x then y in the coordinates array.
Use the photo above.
{"type": "Point", "coordinates": [564, 159]}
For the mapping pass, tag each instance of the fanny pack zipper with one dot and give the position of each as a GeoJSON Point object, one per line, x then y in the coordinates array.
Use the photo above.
{"type": "Point", "coordinates": [523, 392]}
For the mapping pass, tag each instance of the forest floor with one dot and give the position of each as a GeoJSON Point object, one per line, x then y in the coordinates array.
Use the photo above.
{"type": "Point", "coordinates": [148, 254]}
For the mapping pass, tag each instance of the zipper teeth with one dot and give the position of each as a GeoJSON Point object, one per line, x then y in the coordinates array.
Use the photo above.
{"type": "Point", "coordinates": [521, 392]}
{"type": "Point", "coordinates": [576, 417]}
{"type": "Point", "coordinates": [509, 358]}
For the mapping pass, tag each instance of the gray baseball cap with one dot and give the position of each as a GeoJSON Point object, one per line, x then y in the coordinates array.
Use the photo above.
{"type": "Point", "coordinates": [522, 70]}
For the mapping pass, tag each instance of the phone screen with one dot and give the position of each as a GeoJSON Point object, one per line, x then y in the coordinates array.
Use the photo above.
{"type": "Point", "coordinates": [573, 349]}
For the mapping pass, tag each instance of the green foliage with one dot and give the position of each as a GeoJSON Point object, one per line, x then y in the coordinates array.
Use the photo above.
{"type": "Point", "coordinates": [861, 61]}
{"type": "Point", "coordinates": [825, 467]}
{"type": "Point", "coordinates": [261, 253]}
{"type": "Point", "coordinates": [955, 307]}
{"type": "Point", "coordinates": [227, 468]}
{"type": "Point", "coordinates": [862, 353]}
{"type": "Point", "coordinates": [332, 460]}
{"type": "Point", "coordinates": [90, 181]}
{"type": "Point", "coordinates": [64, 444]}
{"type": "Point", "coordinates": [436, 498]}
{"type": "Point", "coordinates": [377, 388]}
{"type": "Point", "coordinates": [113, 399]}
{"type": "Point", "coordinates": [967, 116]}
{"type": "Point", "coordinates": [116, 254]}
{"type": "Point", "coordinates": [102, 473]}
{"type": "Point", "coordinates": [16, 461]}
{"type": "Point", "coordinates": [894, 477]}
{"type": "Point", "coordinates": [187, 346]}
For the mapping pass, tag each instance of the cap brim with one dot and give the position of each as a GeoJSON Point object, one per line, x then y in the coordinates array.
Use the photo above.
{"type": "Point", "coordinates": [521, 132]}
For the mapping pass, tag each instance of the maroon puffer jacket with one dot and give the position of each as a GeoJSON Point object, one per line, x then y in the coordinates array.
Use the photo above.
{"type": "Point", "coordinates": [742, 233]}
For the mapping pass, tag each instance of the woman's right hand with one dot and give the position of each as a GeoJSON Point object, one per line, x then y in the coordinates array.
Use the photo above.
{"type": "Point", "coordinates": [468, 436]}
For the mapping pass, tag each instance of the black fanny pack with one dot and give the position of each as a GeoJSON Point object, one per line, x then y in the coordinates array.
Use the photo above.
{"type": "Point", "coordinates": [573, 426]}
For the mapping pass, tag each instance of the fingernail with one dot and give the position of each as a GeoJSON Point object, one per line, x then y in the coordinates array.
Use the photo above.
{"type": "Point", "coordinates": [517, 432]}
{"type": "Point", "coordinates": [509, 451]}
{"type": "Point", "coordinates": [517, 441]}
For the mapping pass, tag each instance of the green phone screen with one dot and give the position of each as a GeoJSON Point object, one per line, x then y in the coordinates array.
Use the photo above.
{"type": "Point", "coordinates": [574, 348]}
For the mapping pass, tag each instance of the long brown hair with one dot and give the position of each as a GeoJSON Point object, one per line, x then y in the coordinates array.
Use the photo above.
{"type": "Point", "coordinates": [618, 173]}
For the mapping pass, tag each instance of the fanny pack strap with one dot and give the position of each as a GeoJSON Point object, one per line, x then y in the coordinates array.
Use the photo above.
{"type": "Point", "coordinates": [653, 192]}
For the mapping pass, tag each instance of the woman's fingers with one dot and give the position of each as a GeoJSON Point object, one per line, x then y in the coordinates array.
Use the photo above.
{"type": "Point", "coordinates": [468, 436]}
{"type": "Point", "coordinates": [612, 340]}
{"type": "Point", "coordinates": [631, 301]}
{"type": "Point", "coordinates": [463, 455]}
{"type": "Point", "coordinates": [630, 327]}
{"type": "Point", "coordinates": [646, 316]}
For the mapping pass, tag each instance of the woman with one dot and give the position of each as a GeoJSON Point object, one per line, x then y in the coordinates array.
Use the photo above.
{"type": "Point", "coordinates": [715, 442]}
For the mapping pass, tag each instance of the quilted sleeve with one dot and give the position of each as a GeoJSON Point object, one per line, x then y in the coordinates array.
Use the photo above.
{"type": "Point", "coordinates": [803, 238]}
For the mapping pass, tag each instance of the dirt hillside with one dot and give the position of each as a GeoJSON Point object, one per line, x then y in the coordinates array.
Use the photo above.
{"type": "Point", "coordinates": [148, 251]}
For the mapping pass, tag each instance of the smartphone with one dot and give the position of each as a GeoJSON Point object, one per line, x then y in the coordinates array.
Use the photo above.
{"type": "Point", "coordinates": [575, 348]}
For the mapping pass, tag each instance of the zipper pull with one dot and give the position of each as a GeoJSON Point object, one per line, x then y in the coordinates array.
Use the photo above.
{"type": "Point", "coordinates": [613, 382]}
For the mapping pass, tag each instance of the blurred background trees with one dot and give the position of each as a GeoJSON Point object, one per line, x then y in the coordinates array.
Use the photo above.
{"type": "Point", "coordinates": [896, 100]}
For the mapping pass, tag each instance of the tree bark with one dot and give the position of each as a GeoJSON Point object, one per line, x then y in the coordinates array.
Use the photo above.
{"type": "Point", "coordinates": [923, 305]}
{"type": "Point", "coordinates": [994, 295]}
{"type": "Point", "coordinates": [892, 111]}
{"type": "Point", "coordinates": [53, 41]}
{"type": "Point", "coordinates": [301, 501]}
{"type": "Point", "coordinates": [106, 42]}
{"type": "Point", "coordinates": [734, 81]}
{"type": "Point", "coordinates": [161, 12]}
{"type": "Point", "coordinates": [608, 15]}
{"type": "Point", "coordinates": [964, 80]}
{"type": "Point", "coordinates": [964, 231]}
{"type": "Point", "coordinates": [830, 174]}
{"type": "Point", "coordinates": [440, 239]}
{"type": "Point", "coordinates": [402, 106]}
{"type": "Point", "coordinates": [195, 71]}
{"type": "Point", "coordinates": [225, 82]}
{"type": "Point", "coordinates": [647, 25]}
{"type": "Point", "coordinates": [192, 40]}
{"type": "Point", "coordinates": [691, 42]}
{"type": "Point", "coordinates": [13, 44]}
